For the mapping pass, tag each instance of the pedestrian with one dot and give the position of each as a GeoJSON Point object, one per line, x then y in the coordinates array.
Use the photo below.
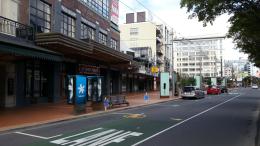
{"type": "Point", "coordinates": [146, 97]}
{"type": "Point", "coordinates": [106, 103]}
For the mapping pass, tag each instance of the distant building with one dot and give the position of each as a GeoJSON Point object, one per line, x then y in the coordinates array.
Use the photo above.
{"type": "Point", "coordinates": [149, 42]}
{"type": "Point", "coordinates": [195, 56]}
{"type": "Point", "coordinates": [227, 72]}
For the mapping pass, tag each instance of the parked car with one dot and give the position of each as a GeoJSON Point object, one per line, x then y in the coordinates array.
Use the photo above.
{"type": "Point", "coordinates": [213, 90]}
{"type": "Point", "coordinates": [254, 86]}
{"type": "Point", "coordinates": [223, 89]}
{"type": "Point", "coordinates": [192, 92]}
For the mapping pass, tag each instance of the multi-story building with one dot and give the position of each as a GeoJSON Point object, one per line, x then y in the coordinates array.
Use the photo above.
{"type": "Point", "coordinates": [149, 42]}
{"type": "Point", "coordinates": [237, 67]}
{"type": "Point", "coordinates": [199, 56]}
{"type": "Point", "coordinates": [228, 71]}
{"type": "Point", "coordinates": [251, 69]}
{"type": "Point", "coordinates": [44, 41]}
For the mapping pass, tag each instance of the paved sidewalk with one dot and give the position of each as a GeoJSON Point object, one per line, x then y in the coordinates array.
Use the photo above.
{"type": "Point", "coordinates": [52, 112]}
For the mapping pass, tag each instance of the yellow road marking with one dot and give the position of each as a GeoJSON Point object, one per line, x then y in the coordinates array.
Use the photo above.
{"type": "Point", "coordinates": [135, 116]}
{"type": "Point", "coordinates": [176, 119]}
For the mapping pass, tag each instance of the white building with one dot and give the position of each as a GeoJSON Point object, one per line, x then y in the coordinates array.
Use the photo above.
{"type": "Point", "coordinates": [150, 43]}
{"type": "Point", "coordinates": [228, 71]}
{"type": "Point", "coordinates": [195, 56]}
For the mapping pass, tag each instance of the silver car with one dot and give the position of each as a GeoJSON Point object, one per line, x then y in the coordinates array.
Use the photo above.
{"type": "Point", "coordinates": [254, 86]}
{"type": "Point", "coordinates": [192, 92]}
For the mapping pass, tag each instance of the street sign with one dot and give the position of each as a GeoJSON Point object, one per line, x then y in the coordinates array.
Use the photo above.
{"type": "Point", "coordinates": [154, 69]}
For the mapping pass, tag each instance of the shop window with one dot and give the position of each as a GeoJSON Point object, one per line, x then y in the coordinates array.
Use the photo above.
{"type": "Point", "coordinates": [37, 79]}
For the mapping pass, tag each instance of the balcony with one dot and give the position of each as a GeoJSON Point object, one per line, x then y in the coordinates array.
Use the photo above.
{"type": "Point", "coordinates": [159, 51]}
{"type": "Point", "coordinates": [16, 29]}
{"type": "Point", "coordinates": [159, 31]}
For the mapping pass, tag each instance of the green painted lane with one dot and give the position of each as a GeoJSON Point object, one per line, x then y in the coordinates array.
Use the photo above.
{"type": "Point", "coordinates": [126, 131]}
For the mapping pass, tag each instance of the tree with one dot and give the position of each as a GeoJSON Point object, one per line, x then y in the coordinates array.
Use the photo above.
{"type": "Point", "coordinates": [244, 20]}
{"type": "Point", "coordinates": [187, 81]}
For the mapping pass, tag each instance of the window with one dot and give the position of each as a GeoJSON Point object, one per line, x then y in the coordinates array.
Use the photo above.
{"type": "Point", "coordinates": [192, 58]}
{"type": "Point", "coordinates": [99, 6]}
{"type": "Point", "coordinates": [184, 64]}
{"type": "Point", "coordinates": [40, 16]}
{"type": "Point", "coordinates": [192, 69]}
{"type": "Point", "coordinates": [185, 54]}
{"type": "Point", "coordinates": [37, 76]}
{"type": "Point", "coordinates": [113, 44]}
{"type": "Point", "coordinates": [68, 25]}
{"type": "Point", "coordinates": [133, 31]}
{"type": "Point", "coordinates": [185, 59]}
{"type": "Point", "coordinates": [87, 32]}
{"type": "Point", "coordinates": [185, 69]}
{"type": "Point", "coordinates": [102, 38]}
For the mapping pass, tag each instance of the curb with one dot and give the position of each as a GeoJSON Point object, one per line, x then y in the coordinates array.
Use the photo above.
{"type": "Point", "coordinates": [22, 126]}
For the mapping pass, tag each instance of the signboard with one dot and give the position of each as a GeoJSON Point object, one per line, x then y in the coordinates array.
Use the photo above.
{"type": "Point", "coordinates": [154, 69]}
{"type": "Point", "coordinates": [88, 70]}
{"type": "Point", "coordinates": [95, 84]}
{"type": "Point", "coordinates": [213, 81]}
{"type": "Point", "coordinates": [164, 84]}
{"type": "Point", "coordinates": [198, 81]}
{"type": "Point", "coordinates": [70, 98]}
{"type": "Point", "coordinates": [80, 90]}
{"type": "Point", "coordinates": [224, 82]}
{"type": "Point", "coordinates": [114, 11]}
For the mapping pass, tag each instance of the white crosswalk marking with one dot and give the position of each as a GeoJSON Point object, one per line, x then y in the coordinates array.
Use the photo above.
{"type": "Point", "coordinates": [96, 137]}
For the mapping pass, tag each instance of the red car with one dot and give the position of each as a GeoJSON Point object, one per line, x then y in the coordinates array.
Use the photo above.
{"type": "Point", "coordinates": [213, 90]}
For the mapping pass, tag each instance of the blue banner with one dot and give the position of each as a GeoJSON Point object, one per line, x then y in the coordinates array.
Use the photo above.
{"type": "Point", "coordinates": [81, 89]}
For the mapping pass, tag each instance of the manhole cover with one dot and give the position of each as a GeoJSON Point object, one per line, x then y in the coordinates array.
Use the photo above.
{"type": "Point", "coordinates": [135, 116]}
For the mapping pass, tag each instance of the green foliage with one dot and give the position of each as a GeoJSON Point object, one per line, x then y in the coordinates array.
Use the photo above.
{"type": "Point", "coordinates": [244, 20]}
{"type": "Point", "coordinates": [187, 81]}
{"type": "Point", "coordinates": [209, 82]}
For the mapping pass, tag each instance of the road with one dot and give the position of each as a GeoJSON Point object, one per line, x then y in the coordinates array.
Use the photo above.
{"type": "Point", "coordinates": [217, 120]}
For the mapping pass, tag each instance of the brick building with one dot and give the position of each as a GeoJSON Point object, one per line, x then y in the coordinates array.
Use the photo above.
{"type": "Point", "coordinates": [44, 41]}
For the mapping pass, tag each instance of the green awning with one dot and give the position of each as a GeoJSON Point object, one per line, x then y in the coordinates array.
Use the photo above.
{"type": "Point", "coordinates": [34, 52]}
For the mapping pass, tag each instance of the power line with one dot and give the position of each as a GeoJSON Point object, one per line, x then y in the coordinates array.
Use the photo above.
{"type": "Point", "coordinates": [153, 13]}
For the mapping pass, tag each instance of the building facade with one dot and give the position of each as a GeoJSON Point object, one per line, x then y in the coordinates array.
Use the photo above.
{"type": "Point", "coordinates": [149, 43]}
{"type": "Point", "coordinates": [45, 41]}
{"type": "Point", "coordinates": [199, 56]}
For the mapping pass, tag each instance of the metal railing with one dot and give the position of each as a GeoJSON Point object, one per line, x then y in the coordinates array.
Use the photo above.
{"type": "Point", "coordinates": [16, 29]}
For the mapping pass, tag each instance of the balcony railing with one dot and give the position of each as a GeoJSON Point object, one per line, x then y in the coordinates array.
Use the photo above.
{"type": "Point", "coordinates": [16, 29]}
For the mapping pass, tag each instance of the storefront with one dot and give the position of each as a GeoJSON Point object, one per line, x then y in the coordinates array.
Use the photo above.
{"type": "Point", "coordinates": [89, 58]}
{"type": "Point", "coordinates": [28, 73]}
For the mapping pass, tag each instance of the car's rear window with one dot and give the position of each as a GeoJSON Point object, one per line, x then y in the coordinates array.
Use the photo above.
{"type": "Point", "coordinates": [188, 89]}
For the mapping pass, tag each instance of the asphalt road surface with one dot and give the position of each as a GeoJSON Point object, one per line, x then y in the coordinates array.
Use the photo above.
{"type": "Point", "coordinates": [217, 120]}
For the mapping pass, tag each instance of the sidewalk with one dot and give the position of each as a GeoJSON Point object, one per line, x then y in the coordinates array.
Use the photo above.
{"type": "Point", "coordinates": [54, 112]}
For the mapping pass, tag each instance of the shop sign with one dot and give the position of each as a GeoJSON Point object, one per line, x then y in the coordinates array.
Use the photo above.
{"type": "Point", "coordinates": [114, 11]}
{"type": "Point", "coordinates": [81, 89]}
{"type": "Point", "coordinates": [88, 69]}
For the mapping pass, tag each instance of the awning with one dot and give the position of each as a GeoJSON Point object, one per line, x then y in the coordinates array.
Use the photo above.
{"type": "Point", "coordinates": [12, 45]}
{"type": "Point", "coordinates": [85, 49]}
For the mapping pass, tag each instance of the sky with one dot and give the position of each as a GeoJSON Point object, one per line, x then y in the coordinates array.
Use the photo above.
{"type": "Point", "coordinates": [169, 12]}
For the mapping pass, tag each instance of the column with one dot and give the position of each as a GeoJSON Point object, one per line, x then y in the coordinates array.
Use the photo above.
{"type": "Point", "coordinates": [56, 19]}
